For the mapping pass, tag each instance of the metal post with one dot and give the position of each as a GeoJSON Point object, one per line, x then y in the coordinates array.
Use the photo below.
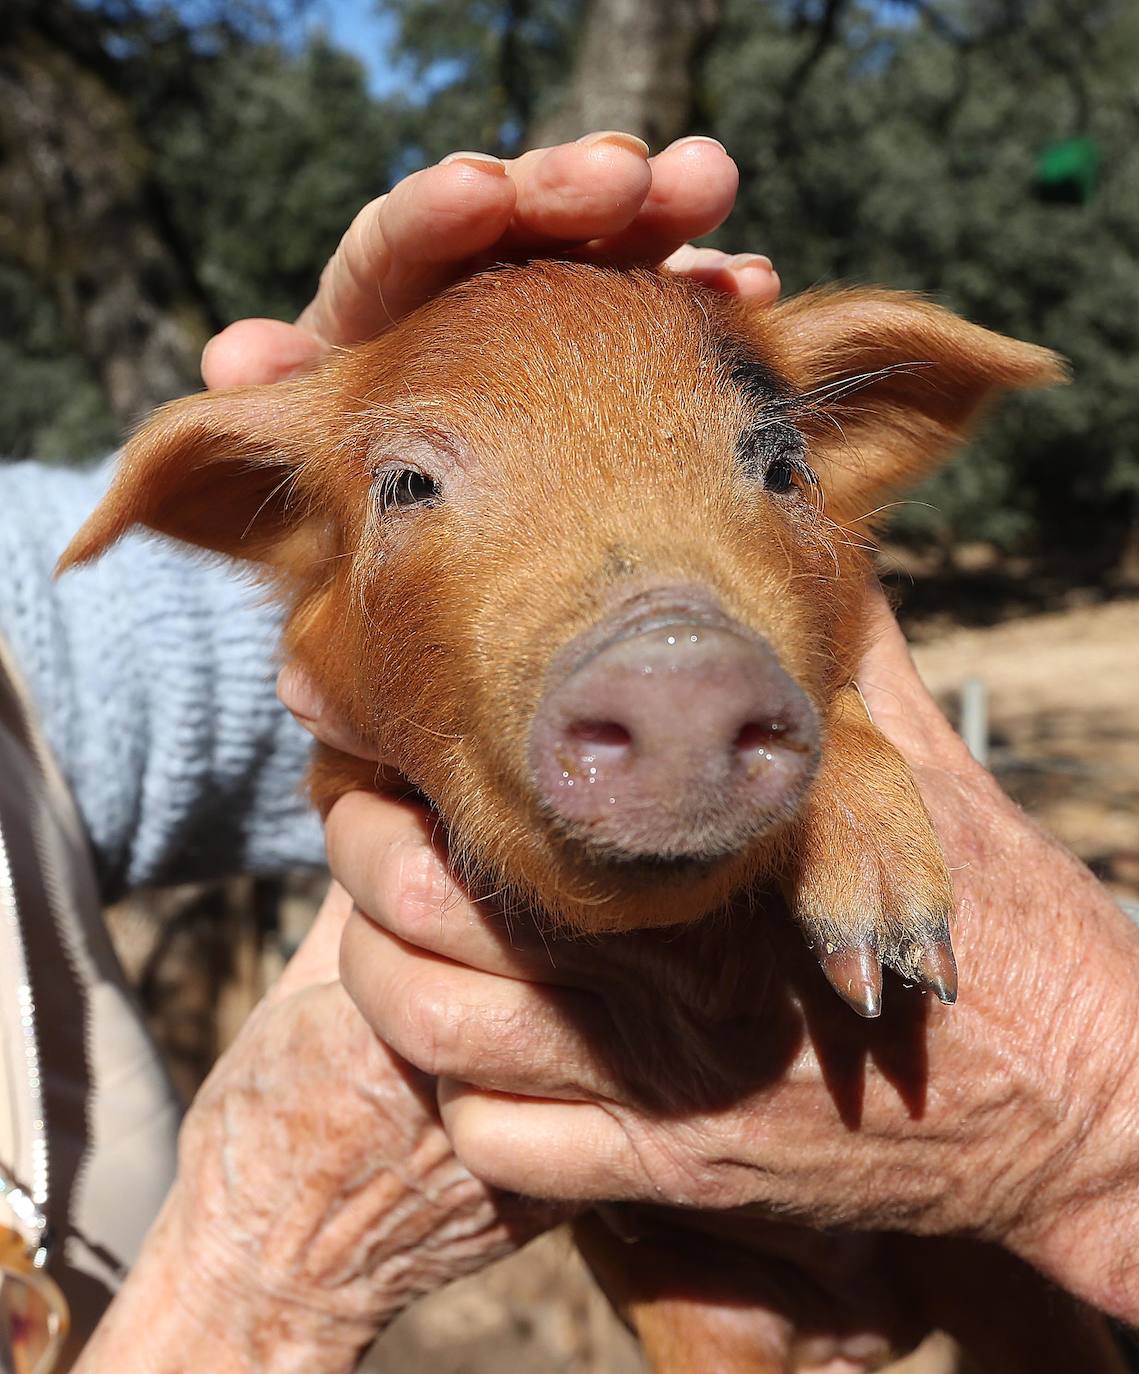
{"type": "Point", "coordinates": [975, 719]}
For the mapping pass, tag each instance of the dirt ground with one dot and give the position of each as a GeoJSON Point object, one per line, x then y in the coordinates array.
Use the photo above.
{"type": "Point", "coordinates": [1063, 696]}
{"type": "Point", "coordinates": [1062, 691]}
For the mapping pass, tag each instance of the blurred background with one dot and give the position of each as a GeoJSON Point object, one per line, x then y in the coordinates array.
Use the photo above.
{"type": "Point", "coordinates": [166, 168]}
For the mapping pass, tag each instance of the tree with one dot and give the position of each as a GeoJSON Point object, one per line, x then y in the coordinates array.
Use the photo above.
{"type": "Point", "coordinates": [906, 152]}
{"type": "Point", "coordinates": [204, 169]}
{"type": "Point", "coordinates": [159, 178]}
{"type": "Point", "coordinates": [635, 70]}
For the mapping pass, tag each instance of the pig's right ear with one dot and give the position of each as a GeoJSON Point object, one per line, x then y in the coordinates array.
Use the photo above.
{"type": "Point", "coordinates": [890, 384]}
{"type": "Point", "coordinates": [220, 470]}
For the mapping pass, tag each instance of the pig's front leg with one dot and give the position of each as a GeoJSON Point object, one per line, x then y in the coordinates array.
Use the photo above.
{"type": "Point", "coordinates": [867, 879]}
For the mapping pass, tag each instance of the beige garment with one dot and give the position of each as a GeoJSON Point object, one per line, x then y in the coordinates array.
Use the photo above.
{"type": "Point", "coordinates": [111, 1116]}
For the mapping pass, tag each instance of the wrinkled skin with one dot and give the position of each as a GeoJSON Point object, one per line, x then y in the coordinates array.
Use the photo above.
{"type": "Point", "coordinates": [316, 1196]}
{"type": "Point", "coordinates": [1004, 1118]}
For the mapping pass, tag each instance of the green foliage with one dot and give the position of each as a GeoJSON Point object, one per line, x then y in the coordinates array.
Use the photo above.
{"type": "Point", "coordinates": [907, 155]}
{"type": "Point", "coordinates": [264, 167]}
{"type": "Point", "coordinates": [485, 70]}
{"type": "Point", "coordinates": [256, 158]}
{"type": "Point", "coordinates": [903, 146]}
{"type": "Point", "coordinates": [50, 405]}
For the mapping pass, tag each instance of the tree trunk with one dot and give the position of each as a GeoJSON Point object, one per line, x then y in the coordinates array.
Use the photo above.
{"type": "Point", "coordinates": [634, 70]}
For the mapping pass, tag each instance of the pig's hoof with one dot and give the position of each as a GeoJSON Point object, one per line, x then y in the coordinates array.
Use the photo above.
{"type": "Point", "coordinates": [867, 880]}
{"type": "Point", "coordinates": [852, 951]}
{"type": "Point", "coordinates": [854, 967]}
{"type": "Point", "coordinates": [874, 893]}
{"type": "Point", "coordinates": [935, 968]}
{"type": "Point", "coordinates": [855, 973]}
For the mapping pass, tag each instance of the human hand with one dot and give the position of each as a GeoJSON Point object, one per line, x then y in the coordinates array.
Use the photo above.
{"type": "Point", "coordinates": [713, 1067]}
{"type": "Point", "coordinates": [602, 197]}
{"type": "Point", "coordinates": [316, 1196]}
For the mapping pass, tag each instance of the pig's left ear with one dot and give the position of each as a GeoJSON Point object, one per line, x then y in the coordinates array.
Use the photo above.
{"type": "Point", "coordinates": [222, 470]}
{"type": "Point", "coordinates": [890, 384]}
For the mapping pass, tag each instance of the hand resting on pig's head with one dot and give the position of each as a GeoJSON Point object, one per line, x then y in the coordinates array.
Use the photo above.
{"type": "Point", "coordinates": [583, 552]}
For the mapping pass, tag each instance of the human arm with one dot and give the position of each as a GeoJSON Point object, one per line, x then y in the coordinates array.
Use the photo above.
{"type": "Point", "coordinates": [152, 674]}
{"type": "Point", "coordinates": [316, 1196]}
{"type": "Point", "coordinates": [661, 1069]}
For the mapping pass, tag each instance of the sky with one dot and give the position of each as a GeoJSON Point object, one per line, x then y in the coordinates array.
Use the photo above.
{"type": "Point", "coordinates": [356, 26]}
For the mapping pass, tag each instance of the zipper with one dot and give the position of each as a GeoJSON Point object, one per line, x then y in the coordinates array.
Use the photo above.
{"type": "Point", "coordinates": [27, 1204]}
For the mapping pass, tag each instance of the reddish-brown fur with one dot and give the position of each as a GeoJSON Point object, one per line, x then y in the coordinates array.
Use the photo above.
{"type": "Point", "coordinates": [583, 424]}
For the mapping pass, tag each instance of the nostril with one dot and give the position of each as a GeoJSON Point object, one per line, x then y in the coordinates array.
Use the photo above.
{"type": "Point", "coordinates": [605, 735]}
{"type": "Point", "coordinates": [760, 734]}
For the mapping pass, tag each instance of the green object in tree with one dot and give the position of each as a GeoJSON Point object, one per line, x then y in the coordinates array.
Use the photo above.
{"type": "Point", "coordinates": [1067, 171]}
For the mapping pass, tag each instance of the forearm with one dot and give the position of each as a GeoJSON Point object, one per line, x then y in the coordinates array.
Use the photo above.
{"type": "Point", "coordinates": [1083, 1227]}
{"type": "Point", "coordinates": [186, 1308]}
{"type": "Point", "coordinates": [1051, 1018]}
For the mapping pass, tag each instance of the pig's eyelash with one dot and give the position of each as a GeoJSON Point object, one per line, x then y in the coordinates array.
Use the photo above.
{"type": "Point", "coordinates": [400, 488]}
{"type": "Point", "coordinates": [773, 453]}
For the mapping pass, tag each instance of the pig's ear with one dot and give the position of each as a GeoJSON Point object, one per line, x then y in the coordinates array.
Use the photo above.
{"type": "Point", "coordinates": [219, 470]}
{"type": "Point", "coordinates": [891, 384]}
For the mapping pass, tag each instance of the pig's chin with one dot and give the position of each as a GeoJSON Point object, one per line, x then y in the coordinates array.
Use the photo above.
{"type": "Point", "coordinates": [604, 892]}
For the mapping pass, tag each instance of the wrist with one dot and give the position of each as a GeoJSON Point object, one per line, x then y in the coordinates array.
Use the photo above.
{"type": "Point", "coordinates": [1049, 1023]}
{"type": "Point", "coordinates": [1078, 1220]}
{"type": "Point", "coordinates": [192, 1303]}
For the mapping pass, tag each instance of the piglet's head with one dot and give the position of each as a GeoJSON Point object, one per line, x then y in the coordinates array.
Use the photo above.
{"type": "Point", "coordinates": [583, 551]}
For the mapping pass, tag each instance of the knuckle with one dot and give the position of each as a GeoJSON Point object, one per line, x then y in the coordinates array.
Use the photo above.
{"type": "Point", "coordinates": [417, 891]}
{"type": "Point", "coordinates": [431, 1023]}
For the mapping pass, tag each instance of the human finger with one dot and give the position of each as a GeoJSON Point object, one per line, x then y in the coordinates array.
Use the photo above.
{"type": "Point", "coordinates": [748, 275]}
{"type": "Point", "coordinates": [404, 247]}
{"type": "Point", "coordinates": [568, 1151]}
{"type": "Point", "coordinates": [574, 192]}
{"type": "Point", "coordinates": [498, 1033]}
{"type": "Point", "coordinates": [254, 352]}
{"type": "Point", "coordinates": [693, 189]}
{"type": "Point", "coordinates": [299, 694]}
{"type": "Point", "coordinates": [386, 854]}
{"type": "Point", "coordinates": [317, 959]}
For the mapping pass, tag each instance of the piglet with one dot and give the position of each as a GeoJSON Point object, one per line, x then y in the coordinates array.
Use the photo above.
{"type": "Point", "coordinates": [585, 552]}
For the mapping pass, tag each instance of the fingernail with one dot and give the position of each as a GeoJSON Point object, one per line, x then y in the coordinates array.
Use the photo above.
{"type": "Point", "coordinates": [484, 162]}
{"type": "Point", "coordinates": [296, 691]}
{"type": "Point", "coordinates": [696, 138]}
{"type": "Point", "coordinates": [630, 142]}
{"type": "Point", "coordinates": [205, 356]}
{"type": "Point", "coordinates": [740, 261]}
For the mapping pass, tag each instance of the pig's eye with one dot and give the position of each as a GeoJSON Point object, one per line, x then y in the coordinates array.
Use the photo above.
{"type": "Point", "coordinates": [399, 488]}
{"type": "Point", "coordinates": [775, 455]}
{"type": "Point", "coordinates": [780, 474]}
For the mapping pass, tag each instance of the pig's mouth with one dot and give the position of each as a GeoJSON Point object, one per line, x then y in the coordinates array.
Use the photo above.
{"type": "Point", "coordinates": [641, 869]}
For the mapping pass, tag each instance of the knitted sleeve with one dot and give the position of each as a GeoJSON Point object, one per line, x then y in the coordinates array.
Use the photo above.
{"type": "Point", "coordinates": [153, 671]}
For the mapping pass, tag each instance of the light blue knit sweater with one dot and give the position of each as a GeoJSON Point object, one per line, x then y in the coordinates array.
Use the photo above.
{"type": "Point", "coordinates": [153, 670]}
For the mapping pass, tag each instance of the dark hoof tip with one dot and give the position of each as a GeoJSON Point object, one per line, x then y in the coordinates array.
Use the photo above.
{"type": "Point", "coordinates": [855, 973]}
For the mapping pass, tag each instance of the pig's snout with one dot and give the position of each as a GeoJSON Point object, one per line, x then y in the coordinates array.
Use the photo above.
{"type": "Point", "coordinates": [683, 740]}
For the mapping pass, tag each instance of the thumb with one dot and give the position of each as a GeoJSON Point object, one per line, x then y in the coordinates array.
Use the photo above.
{"type": "Point", "coordinates": [897, 699]}
{"type": "Point", "coordinates": [317, 960]}
{"type": "Point", "coordinates": [253, 352]}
